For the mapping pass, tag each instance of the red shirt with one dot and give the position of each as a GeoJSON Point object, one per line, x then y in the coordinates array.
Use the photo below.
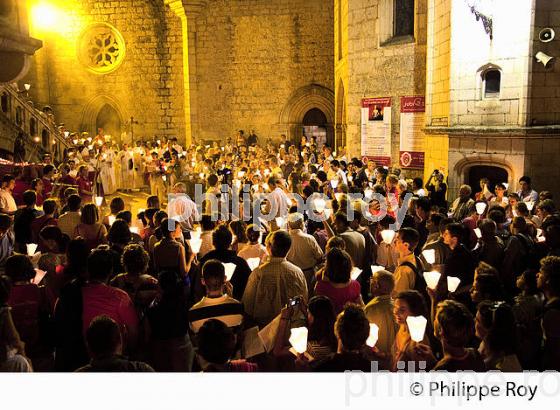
{"type": "Point", "coordinates": [84, 185]}
{"type": "Point", "coordinates": [101, 299]}
{"type": "Point", "coordinates": [47, 187]}
{"type": "Point", "coordinates": [20, 187]}
{"type": "Point", "coordinates": [339, 296]}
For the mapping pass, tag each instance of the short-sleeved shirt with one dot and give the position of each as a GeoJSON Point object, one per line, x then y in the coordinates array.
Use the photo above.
{"type": "Point", "coordinates": [100, 299]}
{"type": "Point", "coordinates": [339, 296]}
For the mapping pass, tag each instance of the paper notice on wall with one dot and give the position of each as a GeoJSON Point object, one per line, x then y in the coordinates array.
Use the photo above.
{"type": "Point", "coordinates": [376, 128]}
{"type": "Point", "coordinates": [412, 139]}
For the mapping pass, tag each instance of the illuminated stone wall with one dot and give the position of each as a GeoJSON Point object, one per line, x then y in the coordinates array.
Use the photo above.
{"type": "Point", "coordinates": [148, 85]}
{"type": "Point", "coordinates": [253, 59]}
{"type": "Point", "coordinates": [372, 64]}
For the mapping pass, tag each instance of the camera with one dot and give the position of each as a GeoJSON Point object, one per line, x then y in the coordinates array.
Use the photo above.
{"type": "Point", "coordinates": [295, 301]}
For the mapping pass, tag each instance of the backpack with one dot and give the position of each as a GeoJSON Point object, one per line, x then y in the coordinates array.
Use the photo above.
{"type": "Point", "coordinates": [419, 281]}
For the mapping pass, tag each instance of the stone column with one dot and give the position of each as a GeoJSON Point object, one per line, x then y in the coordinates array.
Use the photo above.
{"type": "Point", "coordinates": [187, 11]}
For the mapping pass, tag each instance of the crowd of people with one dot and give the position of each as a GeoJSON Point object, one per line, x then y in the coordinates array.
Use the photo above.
{"type": "Point", "coordinates": [109, 290]}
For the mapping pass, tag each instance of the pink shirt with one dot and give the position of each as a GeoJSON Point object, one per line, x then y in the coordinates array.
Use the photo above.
{"type": "Point", "coordinates": [339, 296]}
{"type": "Point", "coordinates": [100, 299]}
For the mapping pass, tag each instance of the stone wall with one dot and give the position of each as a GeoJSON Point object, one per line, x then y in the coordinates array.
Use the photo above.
{"type": "Point", "coordinates": [148, 85]}
{"type": "Point", "coordinates": [252, 57]}
{"type": "Point", "coordinates": [373, 65]}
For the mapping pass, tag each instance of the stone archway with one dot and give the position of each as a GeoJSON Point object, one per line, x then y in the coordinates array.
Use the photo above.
{"type": "Point", "coordinates": [302, 101]}
{"type": "Point", "coordinates": [103, 105]}
{"type": "Point", "coordinates": [459, 173]}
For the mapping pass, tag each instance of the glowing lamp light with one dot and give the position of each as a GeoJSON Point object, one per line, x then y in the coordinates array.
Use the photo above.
{"type": "Point", "coordinates": [36, 139]}
{"type": "Point", "coordinates": [376, 268]}
{"type": "Point", "coordinates": [432, 278]}
{"type": "Point", "coordinates": [298, 339]}
{"type": "Point", "coordinates": [429, 255]}
{"type": "Point", "coordinates": [480, 208]}
{"type": "Point", "coordinates": [31, 249]}
{"type": "Point", "coordinates": [196, 243]}
{"type": "Point", "coordinates": [355, 273]}
{"type": "Point", "coordinates": [373, 335]}
{"type": "Point", "coordinates": [112, 219]}
{"type": "Point", "coordinates": [478, 233]}
{"type": "Point", "coordinates": [98, 200]}
{"type": "Point", "coordinates": [388, 235]}
{"type": "Point", "coordinates": [230, 268]}
{"type": "Point", "coordinates": [44, 16]}
{"type": "Point", "coordinates": [530, 205]}
{"type": "Point", "coordinates": [417, 327]}
{"type": "Point", "coordinates": [452, 283]}
{"type": "Point", "coordinates": [320, 204]}
{"type": "Point", "coordinates": [253, 263]}
{"type": "Point", "coordinates": [334, 183]}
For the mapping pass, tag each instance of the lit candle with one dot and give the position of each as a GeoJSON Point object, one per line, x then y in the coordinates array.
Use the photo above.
{"type": "Point", "coordinates": [196, 243]}
{"type": "Point", "coordinates": [253, 263]}
{"type": "Point", "coordinates": [230, 268]}
{"type": "Point", "coordinates": [478, 233]}
{"type": "Point", "coordinates": [480, 208]}
{"type": "Point", "coordinates": [298, 339]}
{"type": "Point", "coordinates": [530, 205]}
{"type": "Point", "coordinates": [31, 248]}
{"type": "Point", "coordinates": [134, 229]}
{"type": "Point", "coordinates": [416, 327]}
{"type": "Point", "coordinates": [452, 283]}
{"type": "Point", "coordinates": [280, 222]}
{"type": "Point", "coordinates": [98, 200]}
{"type": "Point", "coordinates": [376, 268]}
{"type": "Point", "coordinates": [111, 220]}
{"type": "Point", "coordinates": [320, 204]}
{"type": "Point", "coordinates": [432, 278]}
{"type": "Point", "coordinates": [429, 255]}
{"type": "Point", "coordinates": [355, 273]}
{"type": "Point", "coordinates": [373, 335]}
{"type": "Point", "coordinates": [334, 183]}
{"type": "Point", "coordinates": [388, 235]}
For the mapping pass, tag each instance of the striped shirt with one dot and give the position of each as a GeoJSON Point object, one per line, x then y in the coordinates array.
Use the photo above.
{"type": "Point", "coordinates": [225, 308]}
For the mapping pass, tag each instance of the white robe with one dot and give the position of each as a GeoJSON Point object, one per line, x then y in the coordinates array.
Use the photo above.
{"type": "Point", "coordinates": [107, 173]}
{"type": "Point", "coordinates": [126, 172]}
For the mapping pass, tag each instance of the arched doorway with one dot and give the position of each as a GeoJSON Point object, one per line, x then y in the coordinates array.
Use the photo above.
{"type": "Point", "coordinates": [108, 118]}
{"type": "Point", "coordinates": [496, 175]}
{"type": "Point", "coordinates": [315, 125]}
{"type": "Point", "coordinates": [305, 101]}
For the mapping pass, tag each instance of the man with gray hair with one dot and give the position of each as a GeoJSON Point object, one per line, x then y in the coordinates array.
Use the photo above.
{"type": "Point", "coordinates": [305, 252]}
{"type": "Point", "coordinates": [463, 205]}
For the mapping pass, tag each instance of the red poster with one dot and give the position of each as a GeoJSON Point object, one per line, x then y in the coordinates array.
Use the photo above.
{"type": "Point", "coordinates": [376, 107]}
{"type": "Point", "coordinates": [379, 161]}
{"type": "Point", "coordinates": [413, 104]}
{"type": "Point", "coordinates": [411, 159]}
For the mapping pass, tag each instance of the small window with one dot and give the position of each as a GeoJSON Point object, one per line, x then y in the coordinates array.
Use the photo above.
{"type": "Point", "coordinates": [403, 18]}
{"type": "Point", "coordinates": [491, 80]}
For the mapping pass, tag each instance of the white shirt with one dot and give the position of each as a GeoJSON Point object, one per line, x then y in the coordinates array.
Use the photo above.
{"type": "Point", "coordinates": [340, 173]}
{"type": "Point", "coordinates": [256, 250]}
{"type": "Point", "coordinates": [279, 202]}
{"type": "Point", "coordinates": [7, 201]}
{"type": "Point", "coordinates": [183, 209]}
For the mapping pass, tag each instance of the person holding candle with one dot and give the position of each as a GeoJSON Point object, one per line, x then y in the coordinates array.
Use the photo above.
{"type": "Point", "coordinates": [409, 303]}
{"type": "Point", "coordinates": [23, 219]}
{"type": "Point", "coordinates": [84, 184]}
{"type": "Point", "coordinates": [169, 253]}
{"type": "Point", "coordinates": [254, 249]}
{"type": "Point", "coordinates": [115, 206]}
{"type": "Point", "coordinates": [380, 309]}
